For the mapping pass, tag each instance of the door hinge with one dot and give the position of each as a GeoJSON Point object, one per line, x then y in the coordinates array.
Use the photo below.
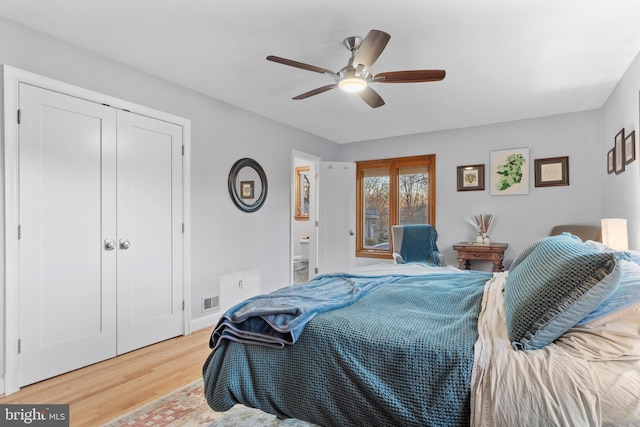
{"type": "Point", "coordinates": [19, 232]}
{"type": "Point", "coordinates": [182, 305]}
{"type": "Point", "coordinates": [316, 270]}
{"type": "Point", "coordinates": [317, 224]}
{"type": "Point", "coordinates": [183, 228]}
{"type": "Point", "coordinates": [19, 345]}
{"type": "Point", "coordinates": [183, 150]}
{"type": "Point", "coordinates": [19, 116]}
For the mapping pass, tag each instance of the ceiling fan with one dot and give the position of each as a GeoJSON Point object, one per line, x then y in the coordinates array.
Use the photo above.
{"type": "Point", "coordinates": [356, 77]}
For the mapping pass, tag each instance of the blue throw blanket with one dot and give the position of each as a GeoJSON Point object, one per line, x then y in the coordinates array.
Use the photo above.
{"type": "Point", "coordinates": [419, 244]}
{"type": "Point", "coordinates": [399, 356]}
{"type": "Point", "coordinates": [278, 318]}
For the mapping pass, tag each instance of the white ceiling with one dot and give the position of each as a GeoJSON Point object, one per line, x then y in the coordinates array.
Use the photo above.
{"type": "Point", "coordinates": [505, 60]}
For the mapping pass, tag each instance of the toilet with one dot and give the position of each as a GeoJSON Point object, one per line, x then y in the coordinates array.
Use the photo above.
{"type": "Point", "coordinates": [301, 262]}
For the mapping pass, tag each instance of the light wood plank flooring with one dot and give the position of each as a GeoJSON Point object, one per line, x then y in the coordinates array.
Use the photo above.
{"type": "Point", "coordinates": [98, 393]}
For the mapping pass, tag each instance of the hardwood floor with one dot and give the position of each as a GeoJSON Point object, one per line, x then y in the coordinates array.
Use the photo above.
{"type": "Point", "coordinates": [98, 393]}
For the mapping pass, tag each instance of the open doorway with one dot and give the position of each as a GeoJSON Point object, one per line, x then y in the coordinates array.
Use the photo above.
{"type": "Point", "coordinates": [304, 211]}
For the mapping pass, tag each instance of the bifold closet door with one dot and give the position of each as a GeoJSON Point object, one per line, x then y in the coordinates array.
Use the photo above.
{"type": "Point", "coordinates": [67, 193]}
{"type": "Point", "coordinates": [150, 235]}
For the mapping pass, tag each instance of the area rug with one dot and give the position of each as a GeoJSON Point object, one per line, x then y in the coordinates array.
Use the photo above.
{"type": "Point", "coordinates": [188, 407]}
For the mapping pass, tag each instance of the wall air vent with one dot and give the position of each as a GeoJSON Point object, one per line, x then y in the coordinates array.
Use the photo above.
{"type": "Point", "coordinates": [210, 304]}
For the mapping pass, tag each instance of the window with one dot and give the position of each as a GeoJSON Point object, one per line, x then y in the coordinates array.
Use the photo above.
{"type": "Point", "coordinates": [390, 192]}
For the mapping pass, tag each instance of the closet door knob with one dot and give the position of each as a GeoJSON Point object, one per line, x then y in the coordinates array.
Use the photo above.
{"type": "Point", "coordinates": [124, 244]}
{"type": "Point", "coordinates": [109, 244]}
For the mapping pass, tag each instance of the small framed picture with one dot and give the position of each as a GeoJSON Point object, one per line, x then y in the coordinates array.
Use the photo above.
{"type": "Point", "coordinates": [551, 172]}
{"type": "Point", "coordinates": [630, 148]}
{"type": "Point", "coordinates": [611, 161]}
{"type": "Point", "coordinates": [246, 189]}
{"type": "Point", "coordinates": [471, 178]}
{"type": "Point", "coordinates": [619, 155]}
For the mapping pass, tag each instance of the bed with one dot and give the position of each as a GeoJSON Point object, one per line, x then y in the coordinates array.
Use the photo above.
{"type": "Point", "coordinates": [553, 341]}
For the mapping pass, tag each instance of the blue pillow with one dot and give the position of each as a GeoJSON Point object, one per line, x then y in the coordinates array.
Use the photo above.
{"type": "Point", "coordinates": [525, 253]}
{"type": "Point", "coordinates": [531, 246]}
{"type": "Point", "coordinates": [634, 256]}
{"type": "Point", "coordinates": [555, 286]}
{"type": "Point", "coordinates": [626, 294]}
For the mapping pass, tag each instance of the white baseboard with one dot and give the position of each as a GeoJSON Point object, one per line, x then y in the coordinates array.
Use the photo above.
{"type": "Point", "coordinates": [208, 321]}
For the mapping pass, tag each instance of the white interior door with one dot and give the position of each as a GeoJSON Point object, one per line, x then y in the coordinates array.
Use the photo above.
{"type": "Point", "coordinates": [150, 284]}
{"type": "Point", "coordinates": [67, 172]}
{"type": "Point", "coordinates": [337, 217]}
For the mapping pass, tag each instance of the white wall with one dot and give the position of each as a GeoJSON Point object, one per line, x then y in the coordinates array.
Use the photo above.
{"type": "Point", "coordinates": [519, 219]}
{"type": "Point", "coordinates": [621, 193]}
{"type": "Point", "coordinates": [224, 239]}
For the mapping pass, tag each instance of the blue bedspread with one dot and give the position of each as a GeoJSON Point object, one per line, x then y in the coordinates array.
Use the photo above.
{"type": "Point", "coordinates": [400, 356]}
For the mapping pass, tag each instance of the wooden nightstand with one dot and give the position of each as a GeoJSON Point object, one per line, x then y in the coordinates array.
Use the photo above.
{"type": "Point", "coordinates": [468, 252]}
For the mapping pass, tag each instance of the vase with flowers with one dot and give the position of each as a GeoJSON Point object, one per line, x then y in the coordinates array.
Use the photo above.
{"type": "Point", "coordinates": [482, 225]}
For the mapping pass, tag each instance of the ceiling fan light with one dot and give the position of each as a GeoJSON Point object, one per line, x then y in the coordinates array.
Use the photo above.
{"type": "Point", "coordinates": [352, 84]}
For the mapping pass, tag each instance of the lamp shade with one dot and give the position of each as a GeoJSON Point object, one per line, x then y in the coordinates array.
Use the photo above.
{"type": "Point", "coordinates": [614, 233]}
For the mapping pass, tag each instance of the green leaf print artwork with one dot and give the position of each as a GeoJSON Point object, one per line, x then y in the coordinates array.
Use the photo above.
{"type": "Point", "coordinates": [510, 172]}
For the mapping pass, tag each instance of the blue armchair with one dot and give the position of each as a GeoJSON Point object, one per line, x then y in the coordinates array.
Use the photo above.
{"type": "Point", "coordinates": [416, 243]}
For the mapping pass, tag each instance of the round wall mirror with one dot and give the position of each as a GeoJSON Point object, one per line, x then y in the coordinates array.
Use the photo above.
{"type": "Point", "coordinates": [247, 185]}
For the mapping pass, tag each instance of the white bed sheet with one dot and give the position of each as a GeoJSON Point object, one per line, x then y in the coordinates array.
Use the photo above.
{"type": "Point", "coordinates": [571, 382]}
{"type": "Point", "coordinates": [409, 269]}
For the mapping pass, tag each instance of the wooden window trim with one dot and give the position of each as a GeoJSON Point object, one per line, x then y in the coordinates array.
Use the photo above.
{"type": "Point", "coordinates": [393, 165]}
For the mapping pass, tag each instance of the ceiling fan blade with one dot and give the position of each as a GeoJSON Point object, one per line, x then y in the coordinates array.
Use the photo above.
{"type": "Point", "coordinates": [371, 97]}
{"type": "Point", "coordinates": [315, 91]}
{"type": "Point", "coordinates": [410, 76]}
{"type": "Point", "coordinates": [299, 65]}
{"type": "Point", "coordinates": [371, 48]}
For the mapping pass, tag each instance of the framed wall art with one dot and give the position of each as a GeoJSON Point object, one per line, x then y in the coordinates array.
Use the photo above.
{"type": "Point", "coordinates": [611, 161]}
{"type": "Point", "coordinates": [630, 147]}
{"type": "Point", "coordinates": [552, 171]}
{"type": "Point", "coordinates": [618, 146]}
{"type": "Point", "coordinates": [471, 178]}
{"type": "Point", "coordinates": [510, 172]}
